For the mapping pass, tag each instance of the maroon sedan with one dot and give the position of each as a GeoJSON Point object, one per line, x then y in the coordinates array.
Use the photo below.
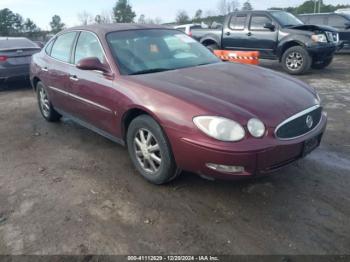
{"type": "Point", "coordinates": [174, 104]}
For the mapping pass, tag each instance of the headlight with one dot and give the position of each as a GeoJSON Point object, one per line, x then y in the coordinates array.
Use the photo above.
{"type": "Point", "coordinates": [220, 128]}
{"type": "Point", "coordinates": [256, 127]}
{"type": "Point", "coordinates": [319, 38]}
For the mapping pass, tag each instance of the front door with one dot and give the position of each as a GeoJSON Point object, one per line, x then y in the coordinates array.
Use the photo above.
{"type": "Point", "coordinates": [95, 99]}
{"type": "Point", "coordinates": [260, 38]}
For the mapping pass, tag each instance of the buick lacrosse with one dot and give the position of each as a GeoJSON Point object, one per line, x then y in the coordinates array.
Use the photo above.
{"type": "Point", "coordinates": [175, 105]}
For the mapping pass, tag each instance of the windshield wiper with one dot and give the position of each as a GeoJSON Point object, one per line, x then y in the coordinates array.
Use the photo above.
{"type": "Point", "coordinates": [149, 71]}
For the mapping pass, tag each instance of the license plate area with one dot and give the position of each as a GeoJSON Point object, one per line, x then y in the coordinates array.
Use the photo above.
{"type": "Point", "coordinates": [311, 144]}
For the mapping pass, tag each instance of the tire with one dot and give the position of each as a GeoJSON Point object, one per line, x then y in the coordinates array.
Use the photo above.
{"type": "Point", "coordinates": [160, 172]}
{"type": "Point", "coordinates": [296, 60]}
{"type": "Point", "coordinates": [45, 106]}
{"type": "Point", "coordinates": [213, 47]}
{"type": "Point", "coordinates": [322, 64]}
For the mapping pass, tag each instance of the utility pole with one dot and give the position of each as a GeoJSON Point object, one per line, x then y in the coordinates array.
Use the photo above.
{"type": "Point", "coordinates": [315, 6]}
{"type": "Point", "coordinates": [319, 6]}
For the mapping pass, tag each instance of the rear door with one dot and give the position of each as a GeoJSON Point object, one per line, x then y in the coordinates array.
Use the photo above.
{"type": "Point", "coordinates": [92, 92]}
{"type": "Point", "coordinates": [57, 66]}
{"type": "Point", "coordinates": [235, 34]}
{"type": "Point", "coordinates": [260, 38]}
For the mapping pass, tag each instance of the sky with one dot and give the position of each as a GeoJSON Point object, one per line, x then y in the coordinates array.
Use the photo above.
{"type": "Point", "coordinates": [41, 11]}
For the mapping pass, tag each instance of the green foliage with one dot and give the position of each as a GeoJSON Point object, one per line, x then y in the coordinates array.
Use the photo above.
{"type": "Point", "coordinates": [10, 23]}
{"type": "Point", "coordinates": [123, 12]}
{"type": "Point", "coordinates": [198, 15]}
{"type": "Point", "coordinates": [311, 6]}
{"type": "Point", "coordinates": [182, 17]}
{"type": "Point", "coordinates": [56, 24]}
{"type": "Point", "coordinates": [247, 6]}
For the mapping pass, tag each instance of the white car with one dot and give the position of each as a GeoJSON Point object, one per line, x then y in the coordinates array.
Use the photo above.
{"type": "Point", "coordinates": [187, 28]}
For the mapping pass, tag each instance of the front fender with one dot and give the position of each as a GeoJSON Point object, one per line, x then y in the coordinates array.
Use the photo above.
{"type": "Point", "coordinates": [291, 40]}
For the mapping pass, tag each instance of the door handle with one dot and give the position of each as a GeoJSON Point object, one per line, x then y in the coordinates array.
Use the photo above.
{"type": "Point", "coordinates": [45, 69]}
{"type": "Point", "coordinates": [227, 33]}
{"type": "Point", "coordinates": [249, 34]}
{"type": "Point", "coordinates": [73, 78]}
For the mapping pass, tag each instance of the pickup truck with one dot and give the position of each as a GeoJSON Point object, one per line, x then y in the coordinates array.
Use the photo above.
{"type": "Point", "coordinates": [277, 35]}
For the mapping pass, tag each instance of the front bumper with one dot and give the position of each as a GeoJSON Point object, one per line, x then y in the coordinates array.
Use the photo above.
{"type": "Point", "coordinates": [321, 50]}
{"type": "Point", "coordinates": [193, 156]}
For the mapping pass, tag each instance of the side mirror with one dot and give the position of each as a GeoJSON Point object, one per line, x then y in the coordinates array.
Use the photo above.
{"type": "Point", "coordinates": [270, 26]}
{"type": "Point", "coordinates": [347, 25]}
{"type": "Point", "coordinates": [92, 63]}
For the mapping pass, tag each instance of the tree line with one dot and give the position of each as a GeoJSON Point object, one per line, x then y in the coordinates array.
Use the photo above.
{"type": "Point", "coordinates": [13, 24]}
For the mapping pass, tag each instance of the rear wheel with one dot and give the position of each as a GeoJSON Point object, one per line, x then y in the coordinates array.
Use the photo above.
{"type": "Point", "coordinates": [322, 64]}
{"type": "Point", "coordinates": [213, 47]}
{"type": "Point", "coordinates": [45, 106]}
{"type": "Point", "coordinates": [150, 151]}
{"type": "Point", "coordinates": [296, 60]}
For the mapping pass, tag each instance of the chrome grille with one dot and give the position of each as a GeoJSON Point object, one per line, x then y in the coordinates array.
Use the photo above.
{"type": "Point", "coordinates": [332, 36]}
{"type": "Point", "coordinates": [299, 124]}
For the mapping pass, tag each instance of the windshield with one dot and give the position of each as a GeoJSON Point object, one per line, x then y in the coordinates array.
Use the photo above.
{"type": "Point", "coordinates": [156, 50]}
{"type": "Point", "coordinates": [286, 19]}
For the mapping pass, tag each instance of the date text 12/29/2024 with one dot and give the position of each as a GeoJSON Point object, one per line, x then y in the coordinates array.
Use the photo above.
{"type": "Point", "coordinates": [173, 258]}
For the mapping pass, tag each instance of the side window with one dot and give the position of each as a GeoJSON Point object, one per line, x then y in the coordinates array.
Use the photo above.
{"type": "Point", "coordinates": [88, 46]}
{"type": "Point", "coordinates": [62, 47]}
{"type": "Point", "coordinates": [238, 22]}
{"type": "Point", "coordinates": [257, 22]}
{"type": "Point", "coordinates": [49, 47]}
{"type": "Point", "coordinates": [336, 21]}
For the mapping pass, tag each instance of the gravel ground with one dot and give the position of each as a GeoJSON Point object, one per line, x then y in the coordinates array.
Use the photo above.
{"type": "Point", "coordinates": [66, 190]}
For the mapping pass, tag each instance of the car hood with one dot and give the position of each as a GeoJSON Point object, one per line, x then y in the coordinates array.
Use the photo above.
{"type": "Point", "coordinates": [311, 28]}
{"type": "Point", "coordinates": [235, 90]}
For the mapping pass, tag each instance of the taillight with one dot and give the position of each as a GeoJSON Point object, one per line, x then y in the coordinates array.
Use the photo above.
{"type": "Point", "coordinates": [3, 58]}
{"type": "Point", "coordinates": [190, 34]}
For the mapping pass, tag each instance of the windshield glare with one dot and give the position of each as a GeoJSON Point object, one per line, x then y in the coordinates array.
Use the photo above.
{"type": "Point", "coordinates": [154, 50]}
{"type": "Point", "coordinates": [286, 19]}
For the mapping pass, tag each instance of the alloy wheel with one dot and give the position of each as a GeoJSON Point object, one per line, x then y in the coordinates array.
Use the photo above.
{"type": "Point", "coordinates": [294, 61]}
{"type": "Point", "coordinates": [44, 102]}
{"type": "Point", "coordinates": [147, 151]}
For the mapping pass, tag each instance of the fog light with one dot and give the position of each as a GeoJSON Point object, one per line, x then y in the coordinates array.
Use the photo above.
{"type": "Point", "coordinates": [225, 169]}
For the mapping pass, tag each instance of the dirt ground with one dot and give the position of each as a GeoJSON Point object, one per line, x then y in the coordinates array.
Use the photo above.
{"type": "Point", "coordinates": [66, 190]}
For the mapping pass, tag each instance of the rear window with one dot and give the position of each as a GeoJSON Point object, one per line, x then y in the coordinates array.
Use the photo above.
{"type": "Point", "coordinates": [183, 29]}
{"type": "Point", "coordinates": [238, 22]}
{"type": "Point", "coordinates": [13, 43]}
{"type": "Point", "coordinates": [196, 27]}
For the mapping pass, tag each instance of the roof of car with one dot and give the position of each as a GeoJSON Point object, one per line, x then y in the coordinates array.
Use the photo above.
{"type": "Point", "coordinates": [107, 28]}
{"type": "Point", "coordinates": [12, 38]}
{"type": "Point", "coordinates": [315, 14]}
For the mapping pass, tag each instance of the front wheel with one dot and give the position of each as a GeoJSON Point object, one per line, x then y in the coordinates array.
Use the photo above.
{"type": "Point", "coordinates": [296, 60]}
{"type": "Point", "coordinates": [322, 64]}
{"type": "Point", "coordinates": [45, 106]}
{"type": "Point", "coordinates": [150, 151]}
